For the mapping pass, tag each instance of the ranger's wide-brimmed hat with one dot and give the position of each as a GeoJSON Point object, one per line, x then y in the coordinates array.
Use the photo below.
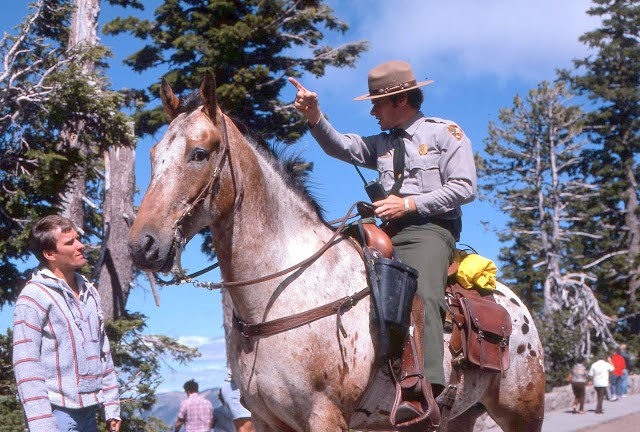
{"type": "Point", "coordinates": [390, 78]}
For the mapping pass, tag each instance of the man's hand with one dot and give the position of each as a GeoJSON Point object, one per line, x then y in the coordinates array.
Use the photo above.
{"type": "Point", "coordinates": [178, 425]}
{"type": "Point", "coordinates": [306, 103]}
{"type": "Point", "coordinates": [393, 207]}
{"type": "Point", "coordinates": [113, 425]}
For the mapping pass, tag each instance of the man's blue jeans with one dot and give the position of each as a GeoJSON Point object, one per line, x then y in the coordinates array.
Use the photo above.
{"type": "Point", "coordinates": [625, 377]}
{"type": "Point", "coordinates": [76, 420]}
{"type": "Point", "coordinates": [616, 386]}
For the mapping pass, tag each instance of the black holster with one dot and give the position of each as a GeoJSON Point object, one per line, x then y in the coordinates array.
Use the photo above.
{"type": "Point", "coordinates": [393, 285]}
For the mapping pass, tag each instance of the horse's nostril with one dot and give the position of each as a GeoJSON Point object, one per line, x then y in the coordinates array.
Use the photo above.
{"type": "Point", "coordinates": [148, 243]}
{"type": "Point", "coordinates": [150, 247]}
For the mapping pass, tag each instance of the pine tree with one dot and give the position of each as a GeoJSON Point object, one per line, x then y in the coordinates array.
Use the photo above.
{"type": "Point", "coordinates": [30, 174]}
{"type": "Point", "coordinates": [58, 118]}
{"type": "Point", "coordinates": [610, 78]}
{"type": "Point", "coordinates": [251, 45]}
{"type": "Point", "coordinates": [532, 171]}
{"type": "Point", "coordinates": [45, 95]}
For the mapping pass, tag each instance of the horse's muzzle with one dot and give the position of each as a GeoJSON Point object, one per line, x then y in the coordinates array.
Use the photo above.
{"type": "Point", "coordinates": [148, 253]}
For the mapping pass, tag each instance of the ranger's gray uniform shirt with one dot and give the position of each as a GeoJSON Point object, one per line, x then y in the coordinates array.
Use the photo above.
{"type": "Point", "coordinates": [439, 174]}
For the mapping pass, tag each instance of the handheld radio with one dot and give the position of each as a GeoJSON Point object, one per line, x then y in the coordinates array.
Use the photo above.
{"type": "Point", "coordinates": [374, 188]}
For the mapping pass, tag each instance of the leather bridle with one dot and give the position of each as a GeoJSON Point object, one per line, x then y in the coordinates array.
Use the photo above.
{"type": "Point", "coordinates": [179, 240]}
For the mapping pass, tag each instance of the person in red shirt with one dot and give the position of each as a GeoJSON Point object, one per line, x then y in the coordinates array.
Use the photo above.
{"type": "Point", "coordinates": [619, 366]}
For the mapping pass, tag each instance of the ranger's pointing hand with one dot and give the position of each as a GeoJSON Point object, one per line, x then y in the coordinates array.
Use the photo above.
{"type": "Point", "coordinates": [306, 103]}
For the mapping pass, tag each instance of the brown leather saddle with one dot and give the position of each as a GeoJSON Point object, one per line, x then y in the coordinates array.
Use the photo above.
{"type": "Point", "coordinates": [480, 338]}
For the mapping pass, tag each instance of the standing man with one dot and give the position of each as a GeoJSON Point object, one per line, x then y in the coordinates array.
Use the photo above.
{"type": "Point", "coordinates": [627, 367]}
{"type": "Point", "coordinates": [578, 379]}
{"type": "Point", "coordinates": [619, 366]}
{"type": "Point", "coordinates": [599, 374]}
{"type": "Point", "coordinates": [196, 412]}
{"type": "Point", "coordinates": [426, 166]}
{"type": "Point", "coordinates": [61, 355]}
{"type": "Point", "coordinates": [230, 397]}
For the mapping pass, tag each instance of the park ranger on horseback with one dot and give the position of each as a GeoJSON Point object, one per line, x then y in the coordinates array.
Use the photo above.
{"type": "Point", "coordinates": [427, 169]}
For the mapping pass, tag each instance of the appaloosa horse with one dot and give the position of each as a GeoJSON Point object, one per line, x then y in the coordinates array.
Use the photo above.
{"type": "Point", "coordinates": [207, 173]}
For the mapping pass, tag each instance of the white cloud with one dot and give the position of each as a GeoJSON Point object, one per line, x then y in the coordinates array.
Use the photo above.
{"type": "Point", "coordinates": [214, 350]}
{"type": "Point", "coordinates": [210, 348]}
{"type": "Point", "coordinates": [194, 341]}
{"type": "Point", "coordinates": [503, 38]}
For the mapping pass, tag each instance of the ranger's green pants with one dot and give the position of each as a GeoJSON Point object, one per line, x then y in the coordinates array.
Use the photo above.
{"type": "Point", "coordinates": [429, 249]}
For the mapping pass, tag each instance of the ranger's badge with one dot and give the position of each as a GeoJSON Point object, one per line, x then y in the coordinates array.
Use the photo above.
{"type": "Point", "coordinates": [423, 149]}
{"type": "Point", "coordinates": [456, 131]}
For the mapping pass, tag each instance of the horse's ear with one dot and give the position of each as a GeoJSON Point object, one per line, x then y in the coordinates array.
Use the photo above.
{"type": "Point", "coordinates": [170, 101]}
{"type": "Point", "coordinates": [208, 95]}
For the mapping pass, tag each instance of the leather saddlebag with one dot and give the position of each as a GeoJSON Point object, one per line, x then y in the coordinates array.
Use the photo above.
{"type": "Point", "coordinates": [485, 333]}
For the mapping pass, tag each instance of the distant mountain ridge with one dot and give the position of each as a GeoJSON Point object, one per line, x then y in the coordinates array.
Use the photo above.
{"type": "Point", "coordinates": [168, 404]}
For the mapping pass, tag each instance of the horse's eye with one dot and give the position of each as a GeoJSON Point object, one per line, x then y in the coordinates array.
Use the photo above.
{"type": "Point", "coordinates": [198, 155]}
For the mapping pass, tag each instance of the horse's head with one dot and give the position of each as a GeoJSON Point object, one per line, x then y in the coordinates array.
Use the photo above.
{"type": "Point", "coordinates": [192, 182]}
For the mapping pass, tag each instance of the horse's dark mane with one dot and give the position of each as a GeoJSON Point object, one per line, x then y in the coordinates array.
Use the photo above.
{"type": "Point", "coordinates": [292, 167]}
{"type": "Point", "coordinates": [189, 102]}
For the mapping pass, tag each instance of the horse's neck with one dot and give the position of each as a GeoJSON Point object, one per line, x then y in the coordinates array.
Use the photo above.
{"type": "Point", "coordinates": [272, 228]}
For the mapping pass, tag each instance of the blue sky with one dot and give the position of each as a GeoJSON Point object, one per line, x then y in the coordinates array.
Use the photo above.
{"type": "Point", "coordinates": [480, 55]}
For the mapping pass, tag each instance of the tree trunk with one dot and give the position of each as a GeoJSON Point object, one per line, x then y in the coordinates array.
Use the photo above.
{"type": "Point", "coordinates": [633, 257]}
{"type": "Point", "coordinates": [633, 225]}
{"type": "Point", "coordinates": [116, 267]}
{"type": "Point", "coordinates": [84, 25]}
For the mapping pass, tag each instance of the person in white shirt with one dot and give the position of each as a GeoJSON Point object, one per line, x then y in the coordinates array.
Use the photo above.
{"type": "Point", "coordinates": [230, 397]}
{"type": "Point", "coordinates": [599, 374]}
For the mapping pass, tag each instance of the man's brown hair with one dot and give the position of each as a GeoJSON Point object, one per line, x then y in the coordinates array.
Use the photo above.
{"type": "Point", "coordinates": [42, 238]}
{"type": "Point", "coordinates": [415, 97]}
{"type": "Point", "coordinates": [191, 386]}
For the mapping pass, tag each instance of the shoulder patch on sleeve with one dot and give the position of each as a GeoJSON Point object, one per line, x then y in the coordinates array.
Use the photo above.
{"type": "Point", "coordinates": [456, 131]}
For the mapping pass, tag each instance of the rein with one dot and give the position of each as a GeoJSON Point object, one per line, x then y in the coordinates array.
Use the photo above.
{"type": "Point", "coordinates": [280, 325]}
{"type": "Point", "coordinates": [189, 278]}
{"type": "Point", "coordinates": [220, 285]}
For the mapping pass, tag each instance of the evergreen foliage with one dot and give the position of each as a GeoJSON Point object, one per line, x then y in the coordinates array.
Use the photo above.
{"type": "Point", "coordinates": [43, 93]}
{"type": "Point", "coordinates": [533, 174]}
{"type": "Point", "coordinates": [10, 408]}
{"type": "Point", "coordinates": [528, 173]}
{"type": "Point", "coordinates": [559, 342]}
{"type": "Point", "coordinates": [252, 46]}
{"type": "Point", "coordinates": [573, 237]}
{"type": "Point", "coordinates": [610, 78]}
